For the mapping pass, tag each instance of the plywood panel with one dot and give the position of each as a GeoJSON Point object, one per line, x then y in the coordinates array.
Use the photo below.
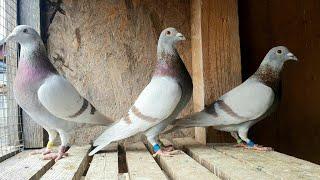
{"type": "Point", "coordinates": [293, 23]}
{"type": "Point", "coordinates": [215, 54]}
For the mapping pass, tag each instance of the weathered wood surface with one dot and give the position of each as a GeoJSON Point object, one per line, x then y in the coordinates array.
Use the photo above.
{"type": "Point", "coordinates": [229, 162]}
{"type": "Point", "coordinates": [29, 14]}
{"type": "Point", "coordinates": [104, 165]}
{"type": "Point", "coordinates": [141, 164]}
{"type": "Point", "coordinates": [182, 166]}
{"type": "Point", "coordinates": [71, 167]}
{"type": "Point", "coordinates": [294, 128]}
{"type": "Point", "coordinates": [279, 165]}
{"type": "Point", "coordinates": [24, 166]}
{"type": "Point", "coordinates": [215, 55]}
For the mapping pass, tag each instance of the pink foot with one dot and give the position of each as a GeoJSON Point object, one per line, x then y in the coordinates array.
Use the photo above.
{"type": "Point", "coordinates": [57, 156]}
{"type": "Point", "coordinates": [168, 148]}
{"type": "Point", "coordinates": [43, 151]}
{"type": "Point", "coordinates": [241, 145]}
{"type": "Point", "coordinates": [166, 153]}
{"type": "Point", "coordinates": [260, 148]}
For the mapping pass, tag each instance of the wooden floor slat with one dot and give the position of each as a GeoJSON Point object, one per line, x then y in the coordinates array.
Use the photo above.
{"type": "Point", "coordinates": [104, 165]}
{"type": "Point", "coordinates": [141, 164]}
{"type": "Point", "coordinates": [71, 167]}
{"type": "Point", "coordinates": [182, 166]}
{"type": "Point", "coordinates": [280, 165]}
{"type": "Point", "coordinates": [24, 166]}
{"type": "Point", "coordinates": [220, 164]}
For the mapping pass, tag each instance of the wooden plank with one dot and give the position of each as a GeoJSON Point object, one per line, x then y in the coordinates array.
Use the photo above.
{"type": "Point", "coordinates": [277, 164]}
{"type": "Point", "coordinates": [71, 167]}
{"type": "Point", "coordinates": [104, 165]}
{"type": "Point", "coordinates": [24, 166]}
{"type": "Point", "coordinates": [224, 166]}
{"type": "Point", "coordinates": [182, 166]}
{"type": "Point", "coordinates": [197, 65]}
{"type": "Point", "coordinates": [141, 164]}
{"type": "Point", "coordinates": [29, 14]}
{"type": "Point", "coordinates": [216, 56]}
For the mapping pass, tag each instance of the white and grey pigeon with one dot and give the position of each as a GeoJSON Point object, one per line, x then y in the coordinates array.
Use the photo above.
{"type": "Point", "coordinates": [47, 97]}
{"type": "Point", "coordinates": [160, 102]}
{"type": "Point", "coordinates": [242, 107]}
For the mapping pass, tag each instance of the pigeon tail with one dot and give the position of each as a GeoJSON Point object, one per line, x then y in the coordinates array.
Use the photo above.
{"type": "Point", "coordinates": [117, 131]}
{"type": "Point", "coordinates": [199, 119]}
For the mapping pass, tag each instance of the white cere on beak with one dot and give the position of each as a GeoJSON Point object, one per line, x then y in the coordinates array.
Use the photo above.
{"type": "Point", "coordinates": [180, 36]}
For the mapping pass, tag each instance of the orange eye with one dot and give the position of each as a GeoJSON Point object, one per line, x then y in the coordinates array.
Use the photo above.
{"type": "Point", "coordinates": [168, 33]}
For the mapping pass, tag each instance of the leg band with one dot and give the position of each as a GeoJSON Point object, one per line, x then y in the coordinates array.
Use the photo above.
{"type": "Point", "coordinates": [156, 148]}
{"type": "Point", "coordinates": [50, 144]}
{"type": "Point", "coordinates": [250, 143]}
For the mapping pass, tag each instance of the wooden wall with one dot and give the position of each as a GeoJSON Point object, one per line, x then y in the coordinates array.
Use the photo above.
{"type": "Point", "coordinates": [295, 128]}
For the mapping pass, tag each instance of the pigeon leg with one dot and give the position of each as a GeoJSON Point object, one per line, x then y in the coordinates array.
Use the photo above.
{"type": "Point", "coordinates": [250, 144]}
{"type": "Point", "coordinates": [48, 149]}
{"type": "Point", "coordinates": [240, 143]}
{"type": "Point", "coordinates": [65, 141]}
{"type": "Point", "coordinates": [167, 148]}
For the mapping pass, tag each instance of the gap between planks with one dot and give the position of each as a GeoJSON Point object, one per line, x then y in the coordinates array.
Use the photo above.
{"type": "Point", "coordinates": [229, 162]}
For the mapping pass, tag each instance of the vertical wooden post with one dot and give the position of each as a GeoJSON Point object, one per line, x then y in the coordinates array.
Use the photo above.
{"type": "Point", "coordinates": [29, 14]}
{"type": "Point", "coordinates": [216, 61]}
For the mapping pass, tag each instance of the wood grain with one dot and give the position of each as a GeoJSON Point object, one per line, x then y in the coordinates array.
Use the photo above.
{"type": "Point", "coordinates": [29, 14]}
{"type": "Point", "coordinates": [216, 55]}
{"type": "Point", "coordinates": [292, 23]}
{"type": "Point", "coordinates": [24, 166]}
{"type": "Point", "coordinates": [141, 164]}
{"type": "Point", "coordinates": [71, 167]}
{"type": "Point", "coordinates": [182, 166]}
{"type": "Point", "coordinates": [103, 166]}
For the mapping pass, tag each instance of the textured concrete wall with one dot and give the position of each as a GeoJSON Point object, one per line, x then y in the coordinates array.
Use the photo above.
{"type": "Point", "coordinates": [107, 48]}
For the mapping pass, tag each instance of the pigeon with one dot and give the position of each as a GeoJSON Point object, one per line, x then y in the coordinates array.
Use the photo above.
{"type": "Point", "coordinates": [160, 102]}
{"type": "Point", "coordinates": [242, 107]}
{"type": "Point", "coordinates": [46, 96]}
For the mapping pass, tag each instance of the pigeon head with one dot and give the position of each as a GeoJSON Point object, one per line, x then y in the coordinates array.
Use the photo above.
{"type": "Point", "coordinates": [169, 37]}
{"type": "Point", "coordinates": [22, 34]}
{"type": "Point", "coordinates": [280, 54]}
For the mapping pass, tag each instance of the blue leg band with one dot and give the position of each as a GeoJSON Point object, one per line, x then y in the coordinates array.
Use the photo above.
{"type": "Point", "coordinates": [250, 143]}
{"type": "Point", "coordinates": [156, 148]}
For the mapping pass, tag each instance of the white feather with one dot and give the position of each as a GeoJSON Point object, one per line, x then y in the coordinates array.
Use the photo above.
{"type": "Point", "coordinates": [251, 99]}
{"type": "Point", "coordinates": [158, 100]}
{"type": "Point", "coordinates": [61, 99]}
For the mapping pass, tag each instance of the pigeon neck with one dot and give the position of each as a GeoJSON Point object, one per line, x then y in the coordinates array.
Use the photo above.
{"type": "Point", "coordinates": [269, 73]}
{"type": "Point", "coordinates": [34, 55]}
{"type": "Point", "coordinates": [168, 63]}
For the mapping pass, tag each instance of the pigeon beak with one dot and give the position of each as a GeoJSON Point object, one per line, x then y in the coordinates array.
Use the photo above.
{"type": "Point", "coordinates": [290, 56]}
{"type": "Point", "coordinates": [180, 36]}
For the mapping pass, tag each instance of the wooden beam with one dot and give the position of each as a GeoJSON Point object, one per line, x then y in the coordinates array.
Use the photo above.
{"type": "Point", "coordinates": [24, 166]}
{"type": "Point", "coordinates": [216, 61]}
{"type": "Point", "coordinates": [224, 166]}
{"type": "Point", "coordinates": [136, 154]}
{"type": "Point", "coordinates": [182, 166]}
{"type": "Point", "coordinates": [29, 14]}
{"type": "Point", "coordinates": [71, 167]}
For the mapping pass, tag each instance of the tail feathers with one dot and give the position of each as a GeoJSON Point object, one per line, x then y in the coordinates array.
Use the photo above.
{"type": "Point", "coordinates": [119, 130]}
{"type": "Point", "coordinates": [199, 119]}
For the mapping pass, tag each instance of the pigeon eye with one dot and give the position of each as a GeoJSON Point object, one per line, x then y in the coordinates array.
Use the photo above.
{"type": "Point", "coordinates": [168, 33]}
{"type": "Point", "coordinates": [279, 51]}
{"type": "Point", "coordinates": [25, 30]}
